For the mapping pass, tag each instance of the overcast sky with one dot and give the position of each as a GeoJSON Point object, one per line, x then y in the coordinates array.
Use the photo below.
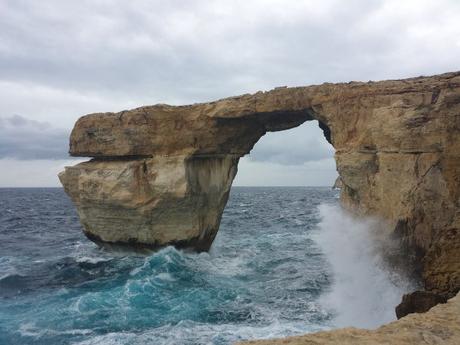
{"type": "Point", "coordinates": [62, 59]}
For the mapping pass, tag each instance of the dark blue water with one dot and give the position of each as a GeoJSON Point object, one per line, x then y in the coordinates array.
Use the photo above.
{"type": "Point", "coordinates": [262, 278]}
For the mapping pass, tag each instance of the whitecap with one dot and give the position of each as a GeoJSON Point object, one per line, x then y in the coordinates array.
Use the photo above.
{"type": "Point", "coordinates": [165, 276]}
{"type": "Point", "coordinates": [91, 259]}
{"type": "Point", "coordinates": [29, 329]}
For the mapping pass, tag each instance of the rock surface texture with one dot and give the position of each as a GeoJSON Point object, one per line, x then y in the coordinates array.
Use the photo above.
{"type": "Point", "coordinates": [418, 302]}
{"type": "Point", "coordinates": [162, 174]}
{"type": "Point", "coordinates": [440, 325]}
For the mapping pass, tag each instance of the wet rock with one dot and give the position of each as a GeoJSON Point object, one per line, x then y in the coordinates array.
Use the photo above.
{"type": "Point", "coordinates": [418, 302]}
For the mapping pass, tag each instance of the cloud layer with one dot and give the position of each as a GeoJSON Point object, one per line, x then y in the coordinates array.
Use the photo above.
{"type": "Point", "coordinates": [21, 138]}
{"type": "Point", "coordinates": [296, 146]}
{"type": "Point", "coordinates": [141, 52]}
{"type": "Point", "coordinates": [62, 59]}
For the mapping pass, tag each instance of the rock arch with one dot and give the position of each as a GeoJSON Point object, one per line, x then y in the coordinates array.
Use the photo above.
{"type": "Point", "coordinates": [162, 174]}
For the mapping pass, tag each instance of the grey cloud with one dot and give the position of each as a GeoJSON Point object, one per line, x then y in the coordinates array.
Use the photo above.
{"type": "Point", "coordinates": [21, 138]}
{"type": "Point", "coordinates": [62, 59]}
{"type": "Point", "coordinates": [186, 51]}
{"type": "Point", "coordinates": [297, 146]}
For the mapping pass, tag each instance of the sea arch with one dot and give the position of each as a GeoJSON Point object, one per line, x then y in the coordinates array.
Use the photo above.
{"type": "Point", "coordinates": [161, 174]}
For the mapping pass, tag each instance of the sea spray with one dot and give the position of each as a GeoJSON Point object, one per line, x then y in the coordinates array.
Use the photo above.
{"type": "Point", "coordinates": [365, 290]}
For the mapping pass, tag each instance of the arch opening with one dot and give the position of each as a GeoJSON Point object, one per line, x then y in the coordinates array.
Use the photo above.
{"type": "Point", "coordinates": [300, 156]}
{"type": "Point", "coordinates": [292, 220]}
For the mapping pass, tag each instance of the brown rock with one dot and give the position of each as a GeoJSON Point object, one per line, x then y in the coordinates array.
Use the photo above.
{"type": "Point", "coordinates": [152, 202]}
{"type": "Point", "coordinates": [418, 302]}
{"type": "Point", "coordinates": [161, 174]}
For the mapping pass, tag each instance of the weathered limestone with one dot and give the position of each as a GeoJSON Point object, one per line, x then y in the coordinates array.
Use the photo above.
{"type": "Point", "coordinates": [161, 174]}
{"type": "Point", "coordinates": [440, 325]}
{"type": "Point", "coordinates": [152, 201]}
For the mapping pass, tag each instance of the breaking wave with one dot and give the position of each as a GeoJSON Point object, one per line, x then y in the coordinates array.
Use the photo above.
{"type": "Point", "coordinates": [365, 289]}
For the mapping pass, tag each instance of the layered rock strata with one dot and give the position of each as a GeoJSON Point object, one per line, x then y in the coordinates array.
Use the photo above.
{"type": "Point", "coordinates": [161, 174]}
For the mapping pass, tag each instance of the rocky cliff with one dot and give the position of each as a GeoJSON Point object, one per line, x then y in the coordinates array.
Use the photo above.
{"type": "Point", "coordinates": [162, 174]}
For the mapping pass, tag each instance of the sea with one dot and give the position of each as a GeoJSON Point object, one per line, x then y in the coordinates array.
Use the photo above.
{"type": "Point", "coordinates": [286, 261]}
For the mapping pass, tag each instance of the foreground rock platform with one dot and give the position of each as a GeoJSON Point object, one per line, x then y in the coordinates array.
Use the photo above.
{"type": "Point", "coordinates": [440, 325]}
{"type": "Point", "coordinates": [161, 174]}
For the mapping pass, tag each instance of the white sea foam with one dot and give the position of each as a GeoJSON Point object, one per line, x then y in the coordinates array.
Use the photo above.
{"type": "Point", "coordinates": [364, 292]}
{"type": "Point", "coordinates": [29, 329]}
{"type": "Point", "coordinates": [165, 276]}
{"type": "Point", "coordinates": [190, 332]}
{"type": "Point", "coordinates": [91, 260]}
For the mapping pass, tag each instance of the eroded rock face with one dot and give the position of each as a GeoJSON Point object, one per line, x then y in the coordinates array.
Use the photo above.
{"type": "Point", "coordinates": [149, 202]}
{"type": "Point", "coordinates": [161, 174]}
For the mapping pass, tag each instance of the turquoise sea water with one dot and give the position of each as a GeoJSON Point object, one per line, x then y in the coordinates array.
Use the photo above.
{"type": "Point", "coordinates": [265, 276]}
